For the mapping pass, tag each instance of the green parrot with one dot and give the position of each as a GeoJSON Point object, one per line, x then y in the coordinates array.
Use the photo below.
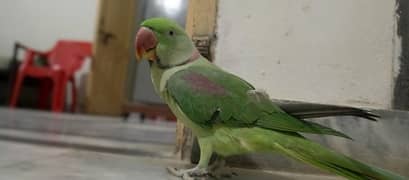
{"type": "Point", "coordinates": [229, 116]}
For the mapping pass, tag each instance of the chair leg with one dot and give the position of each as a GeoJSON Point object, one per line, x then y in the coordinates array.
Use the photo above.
{"type": "Point", "coordinates": [73, 94]}
{"type": "Point", "coordinates": [44, 92]}
{"type": "Point", "coordinates": [58, 99]}
{"type": "Point", "coordinates": [16, 89]}
{"type": "Point", "coordinates": [56, 92]}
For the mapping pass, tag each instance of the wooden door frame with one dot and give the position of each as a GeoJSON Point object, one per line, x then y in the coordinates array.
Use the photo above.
{"type": "Point", "coordinates": [200, 21]}
{"type": "Point", "coordinates": [106, 86]}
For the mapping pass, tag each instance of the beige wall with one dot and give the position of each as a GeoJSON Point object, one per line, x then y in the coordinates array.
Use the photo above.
{"type": "Point", "coordinates": [335, 52]}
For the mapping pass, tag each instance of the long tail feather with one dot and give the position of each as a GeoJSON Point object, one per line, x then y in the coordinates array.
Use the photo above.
{"type": "Point", "coordinates": [305, 110]}
{"type": "Point", "coordinates": [337, 112]}
{"type": "Point", "coordinates": [307, 151]}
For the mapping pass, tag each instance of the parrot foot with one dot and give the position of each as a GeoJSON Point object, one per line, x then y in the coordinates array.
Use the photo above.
{"type": "Point", "coordinates": [215, 170]}
{"type": "Point", "coordinates": [195, 173]}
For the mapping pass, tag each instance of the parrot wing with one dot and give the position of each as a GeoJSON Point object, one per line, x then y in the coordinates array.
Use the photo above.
{"type": "Point", "coordinates": [304, 110]}
{"type": "Point", "coordinates": [210, 96]}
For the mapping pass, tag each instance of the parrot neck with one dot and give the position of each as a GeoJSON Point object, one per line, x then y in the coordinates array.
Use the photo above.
{"type": "Point", "coordinates": [193, 57]}
{"type": "Point", "coordinates": [158, 69]}
{"type": "Point", "coordinates": [160, 76]}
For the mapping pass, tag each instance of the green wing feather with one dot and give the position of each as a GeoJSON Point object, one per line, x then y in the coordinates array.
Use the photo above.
{"type": "Point", "coordinates": [209, 96]}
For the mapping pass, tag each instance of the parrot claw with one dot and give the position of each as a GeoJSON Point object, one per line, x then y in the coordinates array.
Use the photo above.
{"type": "Point", "coordinates": [190, 174]}
{"type": "Point", "coordinates": [199, 174]}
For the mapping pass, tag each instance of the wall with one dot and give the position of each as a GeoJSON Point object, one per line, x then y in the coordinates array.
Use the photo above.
{"type": "Point", "coordinates": [334, 52]}
{"type": "Point", "coordinates": [40, 23]}
{"type": "Point", "coordinates": [343, 52]}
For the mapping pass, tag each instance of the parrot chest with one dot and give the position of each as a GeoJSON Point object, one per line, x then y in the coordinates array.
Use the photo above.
{"type": "Point", "coordinates": [159, 78]}
{"type": "Point", "coordinates": [181, 116]}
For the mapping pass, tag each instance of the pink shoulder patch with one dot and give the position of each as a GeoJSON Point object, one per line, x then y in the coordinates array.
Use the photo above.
{"type": "Point", "coordinates": [201, 83]}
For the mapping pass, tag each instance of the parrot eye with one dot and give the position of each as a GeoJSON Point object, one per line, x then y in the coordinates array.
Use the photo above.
{"type": "Point", "coordinates": [171, 33]}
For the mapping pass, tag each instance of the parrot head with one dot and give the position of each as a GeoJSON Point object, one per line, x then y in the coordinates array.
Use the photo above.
{"type": "Point", "coordinates": [164, 42]}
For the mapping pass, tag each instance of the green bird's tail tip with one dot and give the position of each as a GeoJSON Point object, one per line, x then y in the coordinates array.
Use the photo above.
{"type": "Point", "coordinates": [317, 155]}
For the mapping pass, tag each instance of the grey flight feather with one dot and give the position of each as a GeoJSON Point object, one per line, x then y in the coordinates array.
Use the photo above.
{"type": "Point", "coordinates": [305, 110]}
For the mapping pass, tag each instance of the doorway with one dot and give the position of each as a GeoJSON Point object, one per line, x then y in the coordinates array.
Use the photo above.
{"type": "Point", "coordinates": [140, 88]}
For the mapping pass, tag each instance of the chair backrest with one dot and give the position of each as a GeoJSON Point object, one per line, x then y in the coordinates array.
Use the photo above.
{"type": "Point", "coordinates": [69, 55]}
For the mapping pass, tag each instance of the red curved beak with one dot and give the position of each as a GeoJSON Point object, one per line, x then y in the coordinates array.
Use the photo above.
{"type": "Point", "coordinates": [145, 44]}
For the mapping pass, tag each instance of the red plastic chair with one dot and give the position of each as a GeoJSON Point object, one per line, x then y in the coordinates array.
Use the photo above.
{"type": "Point", "coordinates": [63, 60]}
